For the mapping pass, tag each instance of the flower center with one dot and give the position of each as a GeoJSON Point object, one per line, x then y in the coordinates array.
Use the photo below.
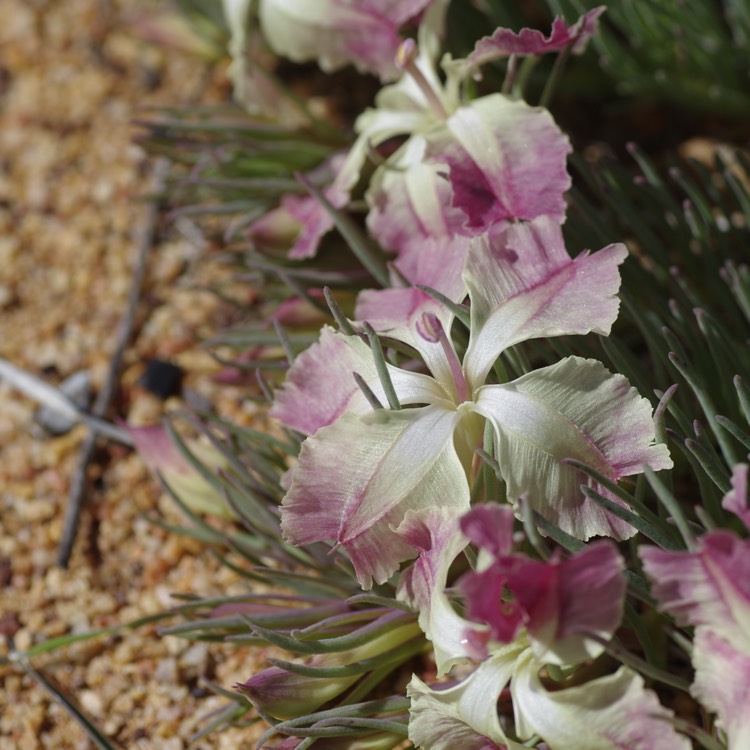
{"type": "Point", "coordinates": [431, 329]}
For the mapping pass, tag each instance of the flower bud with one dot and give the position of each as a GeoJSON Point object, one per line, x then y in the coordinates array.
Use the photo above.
{"type": "Point", "coordinates": [160, 454]}
{"type": "Point", "coordinates": [286, 695]}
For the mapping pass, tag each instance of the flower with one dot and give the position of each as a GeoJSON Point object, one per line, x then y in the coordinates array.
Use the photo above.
{"type": "Point", "coordinates": [527, 614]}
{"type": "Point", "coordinates": [361, 471]}
{"type": "Point", "coordinates": [560, 603]}
{"type": "Point", "coordinates": [611, 711]}
{"type": "Point", "coordinates": [709, 588]}
{"type": "Point", "coordinates": [504, 160]}
{"type": "Point", "coordinates": [339, 32]}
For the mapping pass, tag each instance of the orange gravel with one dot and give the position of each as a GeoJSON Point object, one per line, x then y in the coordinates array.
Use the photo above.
{"type": "Point", "coordinates": [73, 75]}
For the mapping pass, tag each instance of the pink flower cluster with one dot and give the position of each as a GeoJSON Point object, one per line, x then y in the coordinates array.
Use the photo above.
{"type": "Point", "coordinates": [471, 206]}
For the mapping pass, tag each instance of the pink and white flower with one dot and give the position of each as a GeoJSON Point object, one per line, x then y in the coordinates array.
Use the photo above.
{"type": "Point", "coordinates": [553, 611]}
{"type": "Point", "coordinates": [615, 711]}
{"type": "Point", "coordinates": [463, 167]}
{"type": "Point", "coordinates": [336, 33]}
{"type": "Point", "coordinates": [562, 608]}
{"type": "Point", "coordinates": [359, 474]}
{"type": "Point", "coordinates": [525, 614]}
{"type": "Point", "coordinates": [560, 603]}
{"type": "Point", "coordinates": [709, 588]}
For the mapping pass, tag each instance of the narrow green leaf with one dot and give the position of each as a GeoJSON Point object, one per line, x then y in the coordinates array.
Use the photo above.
{"type": "Point", "coordinates": [707, 405]}
{"type": "Point", "coordinates": [672, 506]}
{"type": "Point", "coordinates": [639, 508]}
{"type": "Point", "coordinates": [460, 311]}
{"type": "Point", "coordinates": [565, 540]}
{"type": "Point", "coordinates": [367, 392]}
{"type": "Point", "coordinates": [648, 530]}
{"type": "Point", "coordinates": [743, 394]}
{"type": "Point", "coordinates": [394, 656]}
{"type": "Point", "coordinates": [715, 472]}
{"type": "Point", "coordinates": [284, 341]}
{"type": "Point", "coordinates": [382, 367]}
{"type": "Point", "coordinates": [338, 314]}
{"type": "Point", "coordinates": [331, 645]}
{"type": "Point", "coordinates": [639, 665]}
{"type": "Point", "coordinates": [733, 429]}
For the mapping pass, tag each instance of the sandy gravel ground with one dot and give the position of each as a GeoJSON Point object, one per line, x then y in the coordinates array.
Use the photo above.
{"type": "Point", "coordinates": [72, 77]}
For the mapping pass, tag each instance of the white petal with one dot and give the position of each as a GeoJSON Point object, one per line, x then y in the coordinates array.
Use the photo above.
{"type": "Point", "coordinates": [610, 713]}
{"type": "Point", "coordinates": [574, 409]}
{"type": "Point", "coordinates": [338, 32]}
{"type": "Point", "coordinates": [357, 478]}
{"type": "Point", "coordinates": [464, 716]}
{"type": "Point", "coordinates": [436, 535]}
{"type": "Point", "coordinates": [320, 386]}
{"type": "Point", "coordinates": [524, 285]}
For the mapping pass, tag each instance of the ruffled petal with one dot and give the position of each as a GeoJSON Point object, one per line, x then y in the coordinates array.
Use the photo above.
{"type": "Point", "coordinates": [505, 42]}
{"type": "Point", "coordinates": [490, 527]}
{"type": "Point", "coordinates": [590, 595]}
{"type": "Point", "coordinates": [357, 478]}
{"type": "Point", "coordinates": [524, 285]}
{"type": "Point", "coordinates": [506, 161]}
{"type": "Point", "coordinates": [574, 409]}
{"type": "Point", "coordinates": [438, 264]}
{"type": "Point", "coordinates": [560, 602]}
{"type": "Point", "coordinates": [314, 223]}
{"type": "Point", "coordinates": [722, 676]}
{"type": "Point", "coordinates": [465, 715]}
{"type": "Point", "coordinates": [313, 218]}
{"type": "Point", "coordinates": [709, 587]}
{"type": "Point", "coordinates": [436, 536]}
{"type": "Point", "coordinates": [320, 386]}
{"type": "Point", "coordinates": [339, 32]}
{"type": "Point", "coordinates": [610, 713]}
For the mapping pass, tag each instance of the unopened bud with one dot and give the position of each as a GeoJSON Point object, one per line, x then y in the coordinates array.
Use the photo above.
{"type": "Point", "coordinates": [287, 695]}
{"type": "Point", "coordinates": [156, 448]}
